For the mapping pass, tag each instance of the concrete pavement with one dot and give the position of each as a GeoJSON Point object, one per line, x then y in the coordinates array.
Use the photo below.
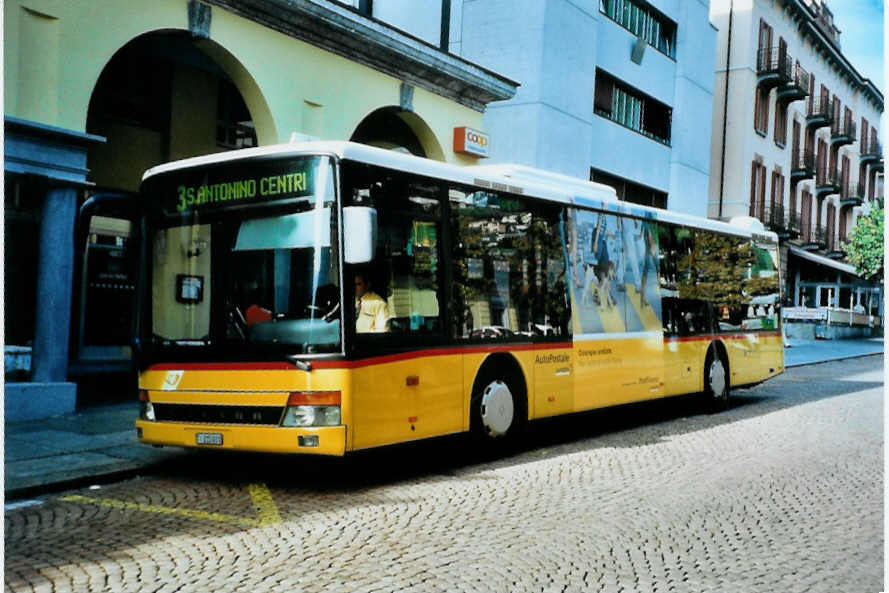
{"type": "Point", "coordinates": [99, 444]}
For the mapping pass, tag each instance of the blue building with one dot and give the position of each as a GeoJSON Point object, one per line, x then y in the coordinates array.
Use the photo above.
{"type": "Point", "coordinates": [617, 91]}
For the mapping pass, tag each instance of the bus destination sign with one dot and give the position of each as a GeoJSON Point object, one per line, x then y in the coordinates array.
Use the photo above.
{"type": "Point", "coordinates": [242, 186]}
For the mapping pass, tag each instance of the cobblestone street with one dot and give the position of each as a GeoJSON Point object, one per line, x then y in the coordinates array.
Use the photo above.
{"type": "Point", "coordinates": [783, 492]}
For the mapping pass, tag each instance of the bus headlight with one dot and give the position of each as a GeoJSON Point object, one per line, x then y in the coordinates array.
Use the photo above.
{"type": "Point", "coordinates": [312, 416]}
{"type": "Point", "coordinates": [313, 408]}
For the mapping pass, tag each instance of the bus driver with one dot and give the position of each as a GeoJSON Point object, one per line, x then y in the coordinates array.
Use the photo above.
{"type": "Point", "coordinates": [371, 311]}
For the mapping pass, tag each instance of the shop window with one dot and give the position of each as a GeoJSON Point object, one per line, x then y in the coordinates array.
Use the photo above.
{"type": "Point", "coordinates": [109, 283]}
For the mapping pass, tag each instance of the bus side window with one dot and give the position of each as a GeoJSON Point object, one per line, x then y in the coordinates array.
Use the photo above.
{"type": "Point", "coordinates": [508, 267]}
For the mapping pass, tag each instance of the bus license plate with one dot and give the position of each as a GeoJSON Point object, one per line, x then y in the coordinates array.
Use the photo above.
{"type": "Point", "coordinates": [208, 438]}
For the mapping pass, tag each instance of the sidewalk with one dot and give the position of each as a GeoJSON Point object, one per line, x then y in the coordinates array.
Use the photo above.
{"type": "Point", "coordinates": [100, 443]}
{"type": "Point", "coordinates": [94, 444]}
{"type": "Point", "coordinates": [801, 352]}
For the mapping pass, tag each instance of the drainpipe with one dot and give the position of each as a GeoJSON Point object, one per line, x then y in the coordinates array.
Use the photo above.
{"type": "Point", "coordinates": [728, 57]}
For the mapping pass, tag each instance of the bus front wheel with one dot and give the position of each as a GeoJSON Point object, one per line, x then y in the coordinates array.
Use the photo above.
{"type": "Point", "coordinates": [716, 382]}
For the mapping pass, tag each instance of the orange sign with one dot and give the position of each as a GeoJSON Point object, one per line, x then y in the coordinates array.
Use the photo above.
{"type": "Point", "coordinates": [471, 142]}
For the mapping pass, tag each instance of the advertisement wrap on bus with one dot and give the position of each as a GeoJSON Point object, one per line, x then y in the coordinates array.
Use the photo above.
{"type": "Point", "coordinates": [328, 297]}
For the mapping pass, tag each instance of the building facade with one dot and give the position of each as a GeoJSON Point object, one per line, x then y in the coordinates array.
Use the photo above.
{"type": "Point", "coordinates": [617, 91]}
{"type": "Point", "coordinates": [796, 144]}
{"type": "Point", "coordinates": [97, 92]}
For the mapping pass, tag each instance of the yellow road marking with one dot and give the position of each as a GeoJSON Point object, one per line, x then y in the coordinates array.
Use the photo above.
{"type": "Point", "coordinates": [259, 493]}
{"type": "Point", "coordinates": [265, 505]}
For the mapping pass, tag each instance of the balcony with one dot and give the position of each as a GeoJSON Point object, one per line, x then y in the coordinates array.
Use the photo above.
{"type": "Point", "coordinates": [774, 67]}
{"type": "Point", "coordinates": [794, 224]}
{"type": "Point", "coordinates": [802, 165]}
{"type": "Point", "coordinates": [871, 153]}
{"type": "Point", "coordinates": [781, 221]}
{"type": "Point", "coordinates": [856, 197]}
{"type": "Point", "coordinates": [796, 88]}
{"type": "Point", "coordinates": [820, 113]}
{"type": "Point", "coordinates": [813, 236]}
{"type": "Point", "coordinates": [835, 247]}
{"type": "Point", "coordinates": [842, 133]}
{"type": "Point", "coordinates": [827, 182]}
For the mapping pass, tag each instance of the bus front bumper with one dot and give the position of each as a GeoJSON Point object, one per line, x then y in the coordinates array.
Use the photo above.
{"type": "Point", "coordinates": [326, 440]}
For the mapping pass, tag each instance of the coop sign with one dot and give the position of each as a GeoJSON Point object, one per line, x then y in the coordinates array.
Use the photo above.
{"type": "Point", "coordinates": [471, 142]}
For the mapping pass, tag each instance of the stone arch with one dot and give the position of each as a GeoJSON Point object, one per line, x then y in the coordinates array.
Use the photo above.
{"type": "Point", "coordinates": [163, 96]}
{"type": "Point", "coordinates": [396, 129]}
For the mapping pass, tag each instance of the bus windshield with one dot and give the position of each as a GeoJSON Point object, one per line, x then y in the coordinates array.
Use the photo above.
{"type": "Point", "coordinates": [245, 258]}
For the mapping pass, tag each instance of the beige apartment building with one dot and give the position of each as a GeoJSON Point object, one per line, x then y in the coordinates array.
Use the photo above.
{"type": "Point", "coordinates": [796, 144]}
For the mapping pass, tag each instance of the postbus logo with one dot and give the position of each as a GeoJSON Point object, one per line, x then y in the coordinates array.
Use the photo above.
{"type": "Point", "coordinates": [471, 142]}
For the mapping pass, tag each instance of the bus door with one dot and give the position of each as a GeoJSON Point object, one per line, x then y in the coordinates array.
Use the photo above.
{"type": "Point", "coordinates": [685, 319]}
{"type": "Point", "coordinates": [410, 386]}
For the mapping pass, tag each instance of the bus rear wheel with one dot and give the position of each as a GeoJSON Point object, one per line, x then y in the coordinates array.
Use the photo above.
{"type": "Point", "coordinates": [716, 382]}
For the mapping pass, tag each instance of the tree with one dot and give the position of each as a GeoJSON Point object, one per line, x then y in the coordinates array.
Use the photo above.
{"type": "Point", "coordinates": [865, 247]}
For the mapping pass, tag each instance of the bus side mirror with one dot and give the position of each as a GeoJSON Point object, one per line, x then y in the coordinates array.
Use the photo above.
{"type": "Point", "coordinates": [359, 234]}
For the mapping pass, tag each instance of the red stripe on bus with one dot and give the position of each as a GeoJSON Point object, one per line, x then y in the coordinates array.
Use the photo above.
{"type": "Point", "coordinates": [402, 356]}
{"type": "Point", "coordinates": [351, 364]}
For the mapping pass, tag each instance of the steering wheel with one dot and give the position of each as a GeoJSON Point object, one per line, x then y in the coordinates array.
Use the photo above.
{"type": "Point", "coordinates": [331, 315]}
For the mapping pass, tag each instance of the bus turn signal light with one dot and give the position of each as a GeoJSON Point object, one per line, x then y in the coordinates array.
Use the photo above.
{"type": "Point", "coordinates": [314, 398]}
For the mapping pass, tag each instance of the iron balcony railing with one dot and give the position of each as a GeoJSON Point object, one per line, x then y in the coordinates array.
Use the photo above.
{"type": "Point", "coordinates": [794, 222]}
{"type": "Point", "coordinates": [872, 149]}
{"type": "Point", "coordinates": [844, 128]}
{"type": "Point", "coordinates": [803, 161]}
{"type": "Point", "coordinates": [818, 234]}
{"type": "Point", "coordinates": [827, 176]}
{"type": "Point", "coordinates": [811, 233]}
{"type": "Point", "coordinates": [774, 217]}
{"type": "Point", "coordinates": [821, 108]}
{"type": "Point", "coordinates": [774, 60]}
{"type": "Point", "coordinates": [800, 78]}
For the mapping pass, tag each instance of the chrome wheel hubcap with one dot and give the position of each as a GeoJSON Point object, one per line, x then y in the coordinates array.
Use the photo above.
{"type": "Point", "coordinates": [497, 409]}
{"type": "Point", "coordinates": [717, 379]}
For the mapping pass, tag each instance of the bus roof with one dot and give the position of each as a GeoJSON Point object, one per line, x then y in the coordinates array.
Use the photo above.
{"type": "Point", "coordinates": [513, 178]}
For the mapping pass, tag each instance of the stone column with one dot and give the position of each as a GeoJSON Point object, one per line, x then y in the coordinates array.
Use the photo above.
{"type": "Point", "coordinates": [55, 276]}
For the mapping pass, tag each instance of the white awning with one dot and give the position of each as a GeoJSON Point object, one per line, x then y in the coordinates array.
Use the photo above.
{"type": "Point", "coordinates": [824, 261]}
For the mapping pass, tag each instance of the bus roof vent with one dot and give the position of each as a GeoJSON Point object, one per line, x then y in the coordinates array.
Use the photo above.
{"type": "Point", "coordinates": [749, 223]}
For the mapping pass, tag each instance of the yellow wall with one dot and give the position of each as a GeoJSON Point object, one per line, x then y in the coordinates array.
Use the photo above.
{"type": "Point", "coordinates": [56, 49]}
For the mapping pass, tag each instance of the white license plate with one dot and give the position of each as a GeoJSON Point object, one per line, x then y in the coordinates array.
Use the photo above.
{"type": "Point", "coordinates": [208, 438]}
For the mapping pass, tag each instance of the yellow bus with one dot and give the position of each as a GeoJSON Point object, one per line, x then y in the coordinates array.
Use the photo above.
{"type": "Point", "coordinates": [328, 297]}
